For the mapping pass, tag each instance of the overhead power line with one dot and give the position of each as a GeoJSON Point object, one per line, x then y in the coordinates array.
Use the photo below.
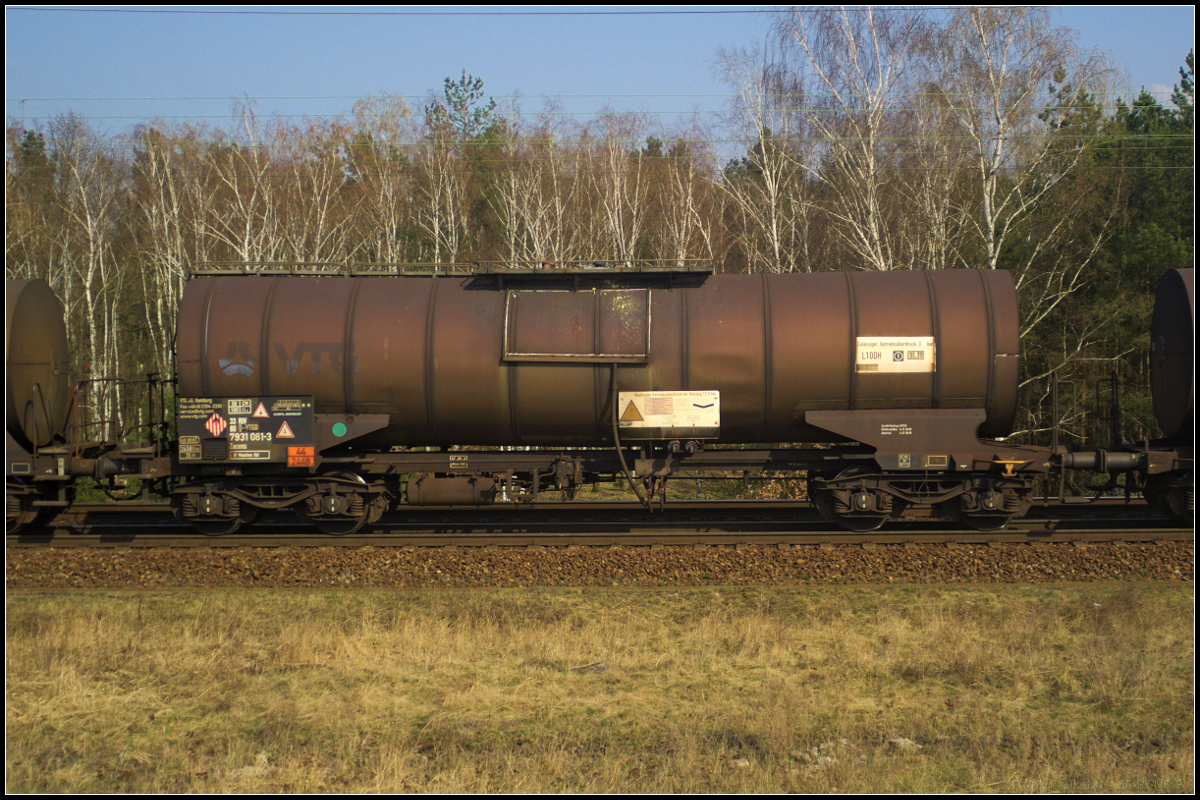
{"type": "Point", "coordinates": [510, 13]}
{"type": "Point", "coordinates": [422, 96]}
{"type": "Point", "coordinates": [572, 164]}
{"type": "Point", "coordinates": [1173, 140]}
{"type": "Point", "coordinates": [344, 117]}
{"type": "Point", "coordinates": [307, 13]}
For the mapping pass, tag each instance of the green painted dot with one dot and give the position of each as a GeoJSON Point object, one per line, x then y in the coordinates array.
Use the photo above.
{"type": "Point", "coordinates": [339, 429]}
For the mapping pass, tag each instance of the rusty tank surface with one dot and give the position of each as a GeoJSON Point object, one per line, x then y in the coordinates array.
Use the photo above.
{"type": "Point", "coordinates": [37, 363]}
{"type": "Point", "coordinates": [497, 360]}
{"type": "Point", "coordinates": [1172, 353]}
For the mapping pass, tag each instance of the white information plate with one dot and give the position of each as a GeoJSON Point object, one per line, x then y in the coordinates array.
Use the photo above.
{"type": "Point", "coordinates": [894, 354]}
{"type": "Point", "coordinates": [670, 414]}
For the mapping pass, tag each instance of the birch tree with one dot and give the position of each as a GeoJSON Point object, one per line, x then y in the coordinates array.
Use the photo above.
{"type": "Point", "coordinates": [89, 185]}
{"type": "Point", "coordinates": [440, 210]}
{"type": "Point", "coordinates": [619, 178]}
{"type": "Point", "coordinates": [166, 167]}
{"type": "Point", "coordinates": [454, 122]}
{"type": "Point", "coordinates": [767, 189]}
{"type": "Point", "coordinates": [313, 166]}
{"type": "Point", "coordinates": [245, 205]}
{"type": "Point", "coordinates": [379, 162]}
{"type": "Point", "coordinates": [998, 66]}
{"type": "Point", "coordinates": [685, 206]}
{"type": "Point", "coordinates": [933, 170]}
{"type": "Point", "coordinates": [538, 188]}
{"type": "Point", "coordinates": [855, 64]}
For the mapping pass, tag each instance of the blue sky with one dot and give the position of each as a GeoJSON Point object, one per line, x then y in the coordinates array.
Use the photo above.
{"type": "Point", "coordinates": [317, 65]}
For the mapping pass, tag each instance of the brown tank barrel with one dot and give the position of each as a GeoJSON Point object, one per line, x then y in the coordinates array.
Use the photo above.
{"type": "Point", "coordinates": [1172, 353]}
{"type": "Point", "coordinates": [37, 362]}
{"type": "Point", "coordinates": [470, 360]}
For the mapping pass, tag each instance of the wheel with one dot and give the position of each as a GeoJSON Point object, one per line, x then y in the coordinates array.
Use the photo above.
{"type": "Point", "coordinates": [861, 523]}
{"type": "Point", "coordinates": [212, 513]}
{"type": "Point", "coordinates": [339, 510]}
{"type": "Point", "coordinates": [1155, 494]}
{"type": "Point", "coordinates": [340, 527]}
{"type": "Point", "coordinates": [987, 508]}
{"type": "Point", "coordinates": [978, 521]}
{"type": "Point", "coordinates": [19, 512]}
{"type": "Point", "coordinates": [1173, 495]}
{"type": "Point", "coordinates": [222, 526]}
{"type": "Point", "coordinates": [855, 508]}
{"type": "Point", "coordinates": [18, 515]}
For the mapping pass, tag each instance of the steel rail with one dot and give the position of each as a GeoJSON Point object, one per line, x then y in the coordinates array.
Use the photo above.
{"type": "Point", "coordinates": [600, 524]}
{"type": "Point", "coordinates": [302, 538]}
{"type": "Point", "coordinates": [1042, 506]}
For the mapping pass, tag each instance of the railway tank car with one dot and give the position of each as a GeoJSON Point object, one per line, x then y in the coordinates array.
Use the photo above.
{"type": "Point", "coordinates": [1164, 466]}
{"type": "Point", "coordinates": [37, 390]}
{"type": "Point", "coordinates": [909, 368]}
{"type": "Point", "coordinates": [46, 447]}
{"type": "Point", "coordinates": [1173, 383]}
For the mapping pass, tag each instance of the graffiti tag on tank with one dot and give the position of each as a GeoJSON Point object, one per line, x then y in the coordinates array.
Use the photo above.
{"type": "Point", "coordinates": [331, 354]}
{"type": "Point", "coordinates": [237, 360]}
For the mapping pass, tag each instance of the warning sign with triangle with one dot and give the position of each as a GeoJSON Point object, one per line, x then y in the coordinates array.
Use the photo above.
{"type": "Point", "coordinates": [260, 412]}
{"type": "Point", "coordinates": [631, 414]}
{"type": "Point", "coordinates": [285, 432]}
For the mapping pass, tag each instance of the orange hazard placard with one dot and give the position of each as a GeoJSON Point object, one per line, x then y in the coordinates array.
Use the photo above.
{"type": "Point", "coordinates": [302, 457]}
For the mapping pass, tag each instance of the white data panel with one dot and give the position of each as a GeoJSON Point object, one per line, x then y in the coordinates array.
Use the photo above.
{"type": "Point", "coordinates": [667, 415]}
{"type": "Point", "coordinates": [894, 354]}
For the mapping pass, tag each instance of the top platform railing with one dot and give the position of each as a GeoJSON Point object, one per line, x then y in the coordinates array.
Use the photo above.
{"type": "Point", "coordinates": [524, 269]}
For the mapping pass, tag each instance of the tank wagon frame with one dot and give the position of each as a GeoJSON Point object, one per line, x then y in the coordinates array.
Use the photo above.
{"type": "Point", "coordinates": [339, 397]}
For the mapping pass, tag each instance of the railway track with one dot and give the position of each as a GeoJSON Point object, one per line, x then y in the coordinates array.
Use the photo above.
{"type": "Point", "coordinates": [604, 523]}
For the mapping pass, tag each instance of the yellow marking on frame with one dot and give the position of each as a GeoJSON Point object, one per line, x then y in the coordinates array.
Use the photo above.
{"type": "Point", "coordinates": [1008, 467]}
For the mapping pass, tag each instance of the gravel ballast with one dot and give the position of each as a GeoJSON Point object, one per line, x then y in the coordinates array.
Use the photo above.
{"type": "Point", "coordinates": [427, 567]}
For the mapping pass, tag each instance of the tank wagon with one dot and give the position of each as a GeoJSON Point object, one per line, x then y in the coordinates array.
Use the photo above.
{"type": "Point", "coordinates": [46, 447]}
{"type": "Point", "coordinates": [678, 363]}
{"type": "Point", "coordinates": [38, 389]}
{"type": "Point", "coordinates": [1173, 382]}
{"type": "Point", "coordinates": [1167, 464]}
{"type": "Point", "coordinates": [340, 397]}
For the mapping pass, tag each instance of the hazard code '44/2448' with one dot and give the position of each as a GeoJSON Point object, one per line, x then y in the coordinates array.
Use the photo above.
{"type": "Point", "coordinates": [269, 429]}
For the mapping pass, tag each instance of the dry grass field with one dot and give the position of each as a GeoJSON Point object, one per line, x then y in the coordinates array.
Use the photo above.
{"type": "Point", "coordinates": [994, 688]}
